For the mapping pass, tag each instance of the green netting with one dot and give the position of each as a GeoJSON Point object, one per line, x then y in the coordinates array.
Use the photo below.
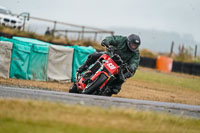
{"type": "Point", "coordinates": [38, 59]}
{"type": "Point", "coordinates": [37, 69]}
{"type": "Point", "coordinates": [80, 55]}
{"type": "Point", "coordinates": [12, 40]}
{"type": "Point", "coordinates": [19, 59]}
{"type": "Point", "coordinates": [30, 40]}
{"type": "Point", "coordinates": [28, 60]}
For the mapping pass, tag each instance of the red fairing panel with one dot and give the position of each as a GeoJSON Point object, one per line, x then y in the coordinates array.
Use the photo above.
{"type": "Point", "coordinates": [80, 84]}
{"type": "Point", "coordinates": [111, 66]}
{"type": "Point", "coordinates": [105, 56]}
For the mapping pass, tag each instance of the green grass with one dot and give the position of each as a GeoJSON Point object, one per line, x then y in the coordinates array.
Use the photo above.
{"type": "Point", "coordinates": [18, 116]}
{"type": "Point", "coordinates": [170, 79]}
{"type": "Point", "coordinates": [17, 126]}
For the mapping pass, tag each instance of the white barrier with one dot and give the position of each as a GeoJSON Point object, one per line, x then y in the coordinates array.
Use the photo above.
{"type": "Point", "coordinates": [5, 58]}
{"type": "Point", "coordinates": [60, 63]}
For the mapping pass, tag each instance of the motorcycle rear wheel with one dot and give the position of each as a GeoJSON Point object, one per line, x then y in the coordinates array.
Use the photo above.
{"type": "Point", "coordinates": [93, 86]}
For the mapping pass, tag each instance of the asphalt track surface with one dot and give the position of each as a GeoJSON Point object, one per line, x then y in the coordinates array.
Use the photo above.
{"type": "Point", "coordinates": [100, 101]}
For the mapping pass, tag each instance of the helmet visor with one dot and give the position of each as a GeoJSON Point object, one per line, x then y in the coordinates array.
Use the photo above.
{"type": "Point", "coordinates": [132, 46]}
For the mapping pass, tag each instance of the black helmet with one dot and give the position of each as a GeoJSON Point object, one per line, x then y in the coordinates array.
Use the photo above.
{"type": "Point", "coordinates": [133, 42]}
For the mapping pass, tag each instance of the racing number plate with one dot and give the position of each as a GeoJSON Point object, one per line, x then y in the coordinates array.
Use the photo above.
{"type": "Point", "coordinates": [111, 66]}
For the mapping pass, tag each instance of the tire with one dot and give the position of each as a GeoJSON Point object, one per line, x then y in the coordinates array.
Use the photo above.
{"type": "Point", "coordinates": [107, 92]}
{"type": "Point", "coordinates": [93, 86]}
{"type": "Point", "coordinates": [73, 89]}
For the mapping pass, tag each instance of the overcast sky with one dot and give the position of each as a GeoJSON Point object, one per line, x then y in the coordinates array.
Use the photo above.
{"type": "Point", "coordinates": [182, 16]}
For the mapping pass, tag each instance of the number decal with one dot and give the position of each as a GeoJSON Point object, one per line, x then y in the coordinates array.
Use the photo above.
{"type": "Point", "coordinates": [111, 66]}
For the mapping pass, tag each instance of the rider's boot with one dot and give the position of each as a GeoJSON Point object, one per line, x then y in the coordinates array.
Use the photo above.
{"type": "Point", "coordinates": [83, 67]}
{"type": "Point", "coordinates": [91, 59]}
{"type": "Point", "coordinates": [107, 91]}
{"type": "Point", "coordinates": [116, 89]}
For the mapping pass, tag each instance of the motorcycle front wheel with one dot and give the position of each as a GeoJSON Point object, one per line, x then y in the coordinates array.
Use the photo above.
{"type": "Point", "coordinates": [73, 89]}
{"type": "Point", "coordinates": [96, 84]}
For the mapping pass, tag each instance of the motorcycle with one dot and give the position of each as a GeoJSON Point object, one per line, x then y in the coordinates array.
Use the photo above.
{"type": "Point", "coordinates": [95, 80]}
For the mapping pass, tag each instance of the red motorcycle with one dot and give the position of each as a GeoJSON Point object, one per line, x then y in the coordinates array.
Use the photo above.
{"type": "Point", "coordinates": [99, 75]}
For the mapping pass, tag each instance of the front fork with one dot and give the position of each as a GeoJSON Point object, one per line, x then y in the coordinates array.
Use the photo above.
{"type": "Point", "coordinates": [104, 89]}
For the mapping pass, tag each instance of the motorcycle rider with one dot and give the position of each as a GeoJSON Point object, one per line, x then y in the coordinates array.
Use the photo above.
{"type": "Point", "coordinates": [127, 49]}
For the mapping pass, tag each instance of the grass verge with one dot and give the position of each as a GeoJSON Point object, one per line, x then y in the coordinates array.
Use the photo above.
{"type": "Point", "coordinates": [35, 116]}
{"type": "Point", "coordinates": [149, 84]}
{"type": "Point", "coordinates": [170, 79]}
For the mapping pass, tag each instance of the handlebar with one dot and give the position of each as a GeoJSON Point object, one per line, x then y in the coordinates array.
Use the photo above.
{"type": "Point", "coordinates": [114, 53]}
{"type": "Point", "coordinates": [109, 49]}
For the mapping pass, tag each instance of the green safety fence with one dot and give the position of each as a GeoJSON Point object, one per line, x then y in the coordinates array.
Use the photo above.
{"type": "Point", "coordinates": [30, 40]}
{"type": "Point", "coordinates": [19, 58]}
{"type": "Point", "coordinates": [81, 53]}
{"type": "Point", "coordinates": [37, 69]}
{"type": "Point", "coordinates": [29, 58]}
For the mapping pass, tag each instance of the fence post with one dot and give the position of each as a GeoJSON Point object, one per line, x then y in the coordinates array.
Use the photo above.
{"type": "Point", "coordinates": [195, 51]}
{"type": "Point", "coordinates": [54, 28]}
{"type": "Point", "coordinates": [181, 48]}
{"type": "Point", "coordinates": [95, 36]}
{"type": "Point", "coordinates": [83, 28]}
{"type": "Point", "coordinates": [23, 26]}
{"type": "Point", "coordinates": [172, 48]}
{"type": "Point", "coordinates": [79, 34]}
{"type": "Point", "coordinates": [66, 37]}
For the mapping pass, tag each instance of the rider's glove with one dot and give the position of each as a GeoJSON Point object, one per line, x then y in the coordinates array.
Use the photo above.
{"type": "Point", "coordinates": [80, 70]}
{"type": "Point", "coordinates": [127, 75]}
{"type": "Point", "coordinates": [130, 72]}
{"type": "Point", "coordinates": [104, 43]}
